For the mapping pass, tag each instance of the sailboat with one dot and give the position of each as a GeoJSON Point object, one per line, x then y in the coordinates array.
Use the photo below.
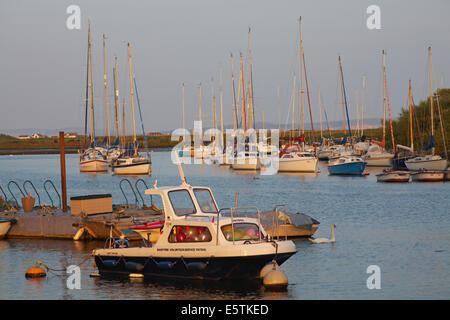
{"type": "Point", "coordinates": [376, 155]}
{"type": "Point", "coordinates": [92, 159]}
{"type": "Point", "coordinates": [346, 165]}
{"type": "Point", "coordinates": [428, 162]}
{"type": "Point", "coordinates": [293, 158]}
{"type": "Point", "coordinates": [130, 162]}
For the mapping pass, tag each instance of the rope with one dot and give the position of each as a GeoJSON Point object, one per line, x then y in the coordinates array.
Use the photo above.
{"type": "Point", "coordinates": [61, 270]}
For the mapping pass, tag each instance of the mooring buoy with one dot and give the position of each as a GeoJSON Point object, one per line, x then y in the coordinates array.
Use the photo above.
{"type": "Point", "coordinates": [276, 279]}
{"type": "Point", "coordinates": [36, 272]}
{"type": "Point", "coordinates": [273, 265]}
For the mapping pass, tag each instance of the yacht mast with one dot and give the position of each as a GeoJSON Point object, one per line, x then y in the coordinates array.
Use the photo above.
{"type": "Point", "coordinates": [106, 93]}
{"type": "Point", "coordinates": [116, 97]}
{"type": "Point", "coordinates": [431, 101]}
{"type": "Point", "coordinates": [132, 100]}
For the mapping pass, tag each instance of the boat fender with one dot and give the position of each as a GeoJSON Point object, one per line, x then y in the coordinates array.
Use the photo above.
{"type": "Point", "coordinates": [275, 279]}
{"type": "Point", "coordinates": [110, 263]}
{"type": "Point", "coordinates": [165, 265]}
{"type": "Point", "coordinates": [273, 265]}
{"type": "Point", "coordinates": [196, 266]}
{"type": "Point", "coordinates": [134, 266]}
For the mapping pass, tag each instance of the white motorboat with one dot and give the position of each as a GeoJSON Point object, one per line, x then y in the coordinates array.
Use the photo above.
{"type": "Point", "coordinates": [5, 225]}
{"type": "Point", "coordinates": [294, 160]}
{"type": "Point", "coordinates": [393, 176]}
{"type": "Point", "coordinates": [377, 156]}
{"type": "Point", "coordinates": [427, 176]}
{"type": "Point", "coordinates": [198, 241]}
{"type": "Point", "coordinates": [92, 160]}
{"type": "Point", "coordinates": [429, 162]}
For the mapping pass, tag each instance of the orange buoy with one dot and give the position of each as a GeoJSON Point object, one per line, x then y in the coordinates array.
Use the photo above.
{"type": "Point", "coordinates": [35, 272]}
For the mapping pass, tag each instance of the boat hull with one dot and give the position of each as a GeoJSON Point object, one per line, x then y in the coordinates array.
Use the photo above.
{"type": "Point", "coordinates": [95, 165]}
{"type": "Point", "coordinates": [298, 165]}
{"type": "Point", "coordinates": [447, 175]}
{"type": "Point", "coordinates": [428, 176]}
{"type": "Point", "coordinates": [4, 228]}
{"type": "Point", "coordinates": [353, 168]}
{"type": "Point", "coordinates": [378, 161]}
{"type": "Point", "coordinates": [132, 169]}
{"type": "Point", "coordinates": [291, 231]}
{"type": "Point", "coordinates": [416, 165]}
{"type": "Point", "coordinates": [210, 268]}
{"type": "Point", "coordinates": [246, 164]}
{"type": "Point", "coordinates": [394, 176]}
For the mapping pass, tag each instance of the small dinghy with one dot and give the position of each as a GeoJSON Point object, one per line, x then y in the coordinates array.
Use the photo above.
{"type": "Point", "coordinates": [428, 176]}
{"type": "Point", "coordinates": [393, 176]}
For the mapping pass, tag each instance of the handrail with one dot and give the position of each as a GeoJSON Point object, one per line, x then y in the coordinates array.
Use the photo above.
{"type": "Point", "coordinates": [9, 189]}
{"type": "Point", "coordinates": [121, 189]}
{"type": "Point", "coordinates": [25, 189]}
{"type": "Point", "coordinates": [139, 193]}
{"type": "Point", "coordinates": [3, 191]}
{"type": "Point", "coordinates": [45, 188]}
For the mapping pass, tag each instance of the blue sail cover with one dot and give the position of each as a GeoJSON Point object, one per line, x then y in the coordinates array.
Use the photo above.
{"type": "Point", "coordinates": [431, 145]}
{"type": "Point", "coordinates": [343, 141]}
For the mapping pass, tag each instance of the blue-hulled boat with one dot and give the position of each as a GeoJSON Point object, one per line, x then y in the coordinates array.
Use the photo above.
{"type": "Point", "coordinates": [349, 165]}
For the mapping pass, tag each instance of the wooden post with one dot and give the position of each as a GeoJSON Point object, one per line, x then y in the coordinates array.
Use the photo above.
{"type": "Point", "coordinates": [62, 157]}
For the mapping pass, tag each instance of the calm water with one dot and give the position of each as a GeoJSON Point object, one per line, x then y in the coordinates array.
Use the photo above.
{"type": "Point", "coordinates": [402, 228]}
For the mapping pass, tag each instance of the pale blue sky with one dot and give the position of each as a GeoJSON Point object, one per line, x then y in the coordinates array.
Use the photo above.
{"type": "Point", "coordinates": [42, 63]}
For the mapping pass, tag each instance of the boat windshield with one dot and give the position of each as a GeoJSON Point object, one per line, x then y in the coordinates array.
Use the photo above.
{"type": "Point", "coordinates": [205, 200]}
{"type": "Point", "coordinates": [182, 203]}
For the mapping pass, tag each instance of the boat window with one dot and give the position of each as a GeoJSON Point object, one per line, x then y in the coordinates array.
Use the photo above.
{"type": "Point", "coordinates": [242, 231]}
{"type": "Point", "coordinates": [205, 201]}
{"type": "Point", "coordinates": [189, 234]}
{"type": "Point", "coordinates": [182, 203]}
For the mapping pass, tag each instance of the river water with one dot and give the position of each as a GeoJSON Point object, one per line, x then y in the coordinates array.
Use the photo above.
{"type": "Point", "coordinates": [401, 228]}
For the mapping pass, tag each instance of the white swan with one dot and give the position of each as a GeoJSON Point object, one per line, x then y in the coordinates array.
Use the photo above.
{"type": "Point", "coordinates": [325, 240]}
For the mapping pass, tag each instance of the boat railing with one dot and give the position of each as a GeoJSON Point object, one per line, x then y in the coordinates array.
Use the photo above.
{"type": "Point", "coordinates": [4, 194]}
{"type": "Point", "coordinates": [35, 191]}
{"type": "Point", "coordinates": [48, 194]}
{"type": "Point", "coordinates": [132, 189]}
{"type": "Point", "coordinates": [276, 218]}
{"type": "Point", "coordinates": [234, 213]}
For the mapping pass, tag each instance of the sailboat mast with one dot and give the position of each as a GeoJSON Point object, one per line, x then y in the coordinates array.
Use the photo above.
{"type": "Point", "coordinates": [116, 97]}
{"type": "Point", "coordinates": [243, 96]}
{"type": "Point", "coordinates": [293, 105]}
{"type": "Point", "coordinates": [123, 123]}
{"type": "Point", "coordinates": [431, 100]}
{"type": "Point", "coordinates": [301, 91]}
{"type": "Point", "coordinates": [389, 109]}
{"type": "Point", "coordinates": [309, 101]}
{"type": "Point", "coordinates": [362, 104]}
{"type": "Point", "coordinates": [235, 115]}
{"type": "Point", "coordinates": [87, 85]}
{"type": "Point", "coordinates": [345, 98]}
{"type": "Point", "coordinates": [251, 102]}
{"type": "Point", "coordinates": [132, 99]}
{"type": "Point", "coordinates": [106, 93]}
{"type": "Point", "coordinates": [279, 108]}
{"type": "Point", "coordinates": [320, 111]}
{"type": "Point", "coordinates": [410, 117]}
{"type": "Point", "coordinates": [384, 100]}
{"type": "Point", "coordinates": [213, 105]}
{"type": "Point", "coordinates": [221, 106]}
{"type": "Point", "coordinates": [91, 89]}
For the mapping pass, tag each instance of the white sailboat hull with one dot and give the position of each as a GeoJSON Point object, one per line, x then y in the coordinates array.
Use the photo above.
{"type": "Point", "coordinates": [298, 165]}
{"type": "Point", "coordinates": [132, 169]}
{"type": "Point", "coordinates": [382, 161]}
{"type": "Point", "coordinates": [95, 165]}
{"type": "Point", "coordinates": [252, 163]}
{"type": "Point", "coordinates": [427, 163]}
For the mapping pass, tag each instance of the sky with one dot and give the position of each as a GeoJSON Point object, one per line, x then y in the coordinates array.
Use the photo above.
{"type": "Point", "coordinates": [43, 63]}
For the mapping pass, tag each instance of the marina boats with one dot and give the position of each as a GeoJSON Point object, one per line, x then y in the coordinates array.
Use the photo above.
{"type": "Point", "coordinates": [402, 154]}
{"type": "Point", "coordinates": [427, 176]}
{"type": "Point", "coordinates": [198, 241]}
{"type": "Point", "coordinates": [377, 156]}
{"type": "Point", "coordinates": [131, 165]}
{"type": "Point", "coordinates": [5, 225]}
{"type": "Point", "coordinates": [246, 161]}
{"type": "Point", "coordinates": [348, 165]}
{"type": "Point", "coordinates": [292, 159]}
{"type": "Point", "coordinates": [393, 176]}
